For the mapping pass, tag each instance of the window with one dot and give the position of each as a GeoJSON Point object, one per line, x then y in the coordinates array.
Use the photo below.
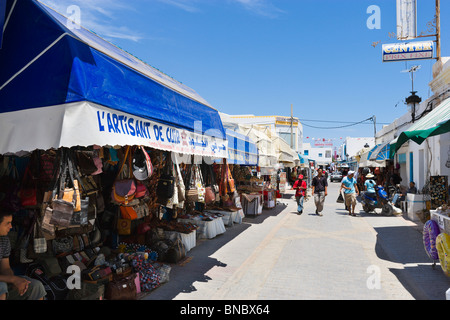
{"type": "Point", "coordinates": [306, 152]}
{"type": "Point", "coordinates": [328, 154]}
{"type": "Point", "coordinates": [320, 155]}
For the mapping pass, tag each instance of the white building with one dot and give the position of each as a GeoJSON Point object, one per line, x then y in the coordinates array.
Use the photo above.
{"type": "Point", "coordinates": [322, 156]}
{"type": "Point", "coordinates": [432, 157]}
{"type": "Point", "coordinates": [348, 150]}
{"type": "Point", "coordinates": [282, 126]}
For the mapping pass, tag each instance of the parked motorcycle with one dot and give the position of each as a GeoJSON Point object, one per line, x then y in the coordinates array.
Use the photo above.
{"type": "Point", "coordinates": [378, 200]}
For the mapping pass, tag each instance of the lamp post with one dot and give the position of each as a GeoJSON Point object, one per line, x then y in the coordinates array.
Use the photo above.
{"type": "Point", "coordinates": [411, 102]}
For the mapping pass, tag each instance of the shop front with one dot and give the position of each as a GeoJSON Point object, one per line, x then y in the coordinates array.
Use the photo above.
{"type": "Point", "coordinates": [107, 164]}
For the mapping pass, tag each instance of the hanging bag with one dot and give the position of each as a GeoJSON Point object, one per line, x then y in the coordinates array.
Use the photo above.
{"type": "Point", "coordinates": [39, 241]}
{"type": "Point", "coordinates": [62, 210]}
{"type": "Point", "coordinates": [181, 189]}
{"type": "Point", "coordinates": [191, 189]}
{"type": "Point", "coordinates": [166, 184]}
{"type": "Point", "coordinates": [200, 185]}
{"type": "Point", "coordinates": [210, 195]}
{"type": "Point", "coordinates": [28, 191]}
{"type": "Point", "coordinates": [124, 190]}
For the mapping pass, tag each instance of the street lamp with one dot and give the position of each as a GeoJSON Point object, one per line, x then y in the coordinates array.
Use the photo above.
{"type": "Point", "coordinates": [413, 99]}
{"type": "Point", "coordinates": [411, 103]}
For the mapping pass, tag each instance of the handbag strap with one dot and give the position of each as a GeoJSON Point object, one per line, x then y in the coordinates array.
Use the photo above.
{"type": "Point", "coordinates": [127, 152]}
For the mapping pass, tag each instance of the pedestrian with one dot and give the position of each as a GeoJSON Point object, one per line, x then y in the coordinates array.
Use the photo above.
{"type": "Point", "coordinates": [319, 190]}
{"type": "Point", "coordinates": [14, 287]}
{"type": "Point", "coordinates": [300, 192]}
{"type": "Point", "coordinates": [349, 184]}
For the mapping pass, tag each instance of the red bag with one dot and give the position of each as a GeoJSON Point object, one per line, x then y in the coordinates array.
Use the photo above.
{"type": "Point", "coordinates": [28, 192]}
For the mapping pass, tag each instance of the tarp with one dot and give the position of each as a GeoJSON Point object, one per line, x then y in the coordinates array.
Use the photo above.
{"type": "Point", "coordinates": [241, 150]}
{"type": "Point", "coordinates": [44, 64]}
{"type": "Point", "coordinates": [266, 155]}
{"type": "Point", "coordinates": [2, 20]}
{"type": "Point", "coordinates": [379, 152]}
{"type": "Point", "coordinates": [304, 161]}
{"type": "Point", "coordinates": [435, 123]}
{"type": "Point", "coordinates": [284, 153]}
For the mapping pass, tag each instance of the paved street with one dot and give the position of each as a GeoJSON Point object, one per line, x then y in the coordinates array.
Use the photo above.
{"type": "Point", "coordinates": [284, 256]}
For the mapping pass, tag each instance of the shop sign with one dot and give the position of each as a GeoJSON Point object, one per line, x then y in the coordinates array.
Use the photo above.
{"type": "Point", "coordinates": [140, 131]}
{"type": "Point", "coordinates": [408, 51]}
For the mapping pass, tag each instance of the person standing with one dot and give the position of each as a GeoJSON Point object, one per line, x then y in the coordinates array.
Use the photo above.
{"type": "Point", "coordinates": [319, 190]}
{"type": "Point", "coordinates": [349, 184]}
{"type": "Point", "coordinates": [300, 192]}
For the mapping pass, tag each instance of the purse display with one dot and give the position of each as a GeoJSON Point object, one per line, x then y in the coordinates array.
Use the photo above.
{"type": "Point", "coordinates": [124, 189]}
{"type": "Point", "coordinates": [124, 289]}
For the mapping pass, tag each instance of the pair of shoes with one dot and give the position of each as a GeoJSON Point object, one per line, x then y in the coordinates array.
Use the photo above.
{"type": "Point", "coordinates": [300, 212]}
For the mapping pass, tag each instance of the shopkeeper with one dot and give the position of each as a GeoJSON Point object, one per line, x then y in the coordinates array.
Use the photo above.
{"type": "Point", "coordinates": [13, 287]}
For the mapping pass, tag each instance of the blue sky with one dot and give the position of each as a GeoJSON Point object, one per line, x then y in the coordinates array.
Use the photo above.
{"type": "Point", "coordinates": [260, 56]}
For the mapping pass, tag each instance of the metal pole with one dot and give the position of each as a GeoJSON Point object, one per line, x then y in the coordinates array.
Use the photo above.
{"type": "Point", "coordinates": [375, 128]}
{"type": "Point", "coordinates": [292, 127]}
{"type": "Point", "coordinates": [438, 29]}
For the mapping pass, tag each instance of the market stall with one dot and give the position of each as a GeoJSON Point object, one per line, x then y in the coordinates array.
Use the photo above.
{"type": "Point", "coordinates": [96, 158]}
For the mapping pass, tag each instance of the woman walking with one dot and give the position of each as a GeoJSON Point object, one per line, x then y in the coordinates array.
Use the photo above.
{"type": "Point", "coordinates": [300, 192]}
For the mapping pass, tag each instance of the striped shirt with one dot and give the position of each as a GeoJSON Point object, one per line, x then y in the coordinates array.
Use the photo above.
{"type": "Point", "coordinates": [5, 247]}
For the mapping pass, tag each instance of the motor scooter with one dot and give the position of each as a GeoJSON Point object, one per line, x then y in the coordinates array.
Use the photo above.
{"type": "Point", "coordinates": [377, 200]}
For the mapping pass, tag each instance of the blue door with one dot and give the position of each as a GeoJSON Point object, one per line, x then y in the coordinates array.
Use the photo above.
{"type": "Point", "coordinates": [411, 167]}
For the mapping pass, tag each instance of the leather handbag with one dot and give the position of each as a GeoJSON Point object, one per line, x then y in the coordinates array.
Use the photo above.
{"type": "Point", "coordinates": [124, 227]}
{"type": "Point", "coordinates": [128, 212]}
{"type": "Point", "coordinates": [80, 218]}
{"type": "Point", "coordinates": [166, 184]}
{"type": "Point", "coordinates": [62, 245]}
{"type": "Point", "coordinates": [227, 182]}
{"type": "Point", "coordinates": [124, 190]}
{"type": "Point", "coordinates": [141, 190]}
{"type": "Point", "coordinates": [191, 188]}
{"type": "Point", "coordinates": [124, 289]}
{"type": "Point", "coordinates": [62, 213]}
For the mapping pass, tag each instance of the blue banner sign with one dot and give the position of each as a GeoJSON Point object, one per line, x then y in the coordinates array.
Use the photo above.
{"type": "Point", "coordinates": [408, 51]}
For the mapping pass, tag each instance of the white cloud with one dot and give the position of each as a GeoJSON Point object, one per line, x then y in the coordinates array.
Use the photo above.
{"type": "Point", "coordinates": [261, 7]}
{"type": "Point", "coordinates": [99, 16]}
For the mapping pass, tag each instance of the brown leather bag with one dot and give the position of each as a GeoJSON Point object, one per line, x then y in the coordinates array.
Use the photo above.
{"type": "Point", "coordinates": [123, 289]}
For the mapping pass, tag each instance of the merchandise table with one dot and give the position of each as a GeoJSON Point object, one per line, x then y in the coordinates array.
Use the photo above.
{"type": "Point", "coordinates": [207, 229]}
{"type": "Point", "coordinates": [229, 217]}
{"type": "Point", "coordinates": [188, 239]}
{"type": "Point", "coordinates": [252, 204]}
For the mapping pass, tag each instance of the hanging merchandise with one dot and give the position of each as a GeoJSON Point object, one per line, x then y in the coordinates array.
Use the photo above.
{"type": "Point", "coordinates": [191, 188]}
{"type": "Point", "coordinates": [124, 188]}
{"type": "Point", "coordinates": [438, 191]}
{"type": "Point", "coordinates": [28, 190]}
{"type": "Point", "coordinates": [67, 200]}
{"type": "Point", "coordinates": [166, 183]}
{"type": "Point", "coordinates": [181, 189]}
{"type": "Point", "coordinates": [142, 165]}
{"type": "Point", "coordinates": [227, 181]}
